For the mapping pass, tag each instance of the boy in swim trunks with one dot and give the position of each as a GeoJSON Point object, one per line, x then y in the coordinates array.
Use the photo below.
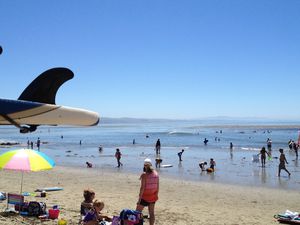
{"type": "Point", "coordinates": [282, 161]}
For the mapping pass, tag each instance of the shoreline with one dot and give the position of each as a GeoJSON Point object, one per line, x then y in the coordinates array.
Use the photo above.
{"type": "Point", "coordinates": [180, 201]}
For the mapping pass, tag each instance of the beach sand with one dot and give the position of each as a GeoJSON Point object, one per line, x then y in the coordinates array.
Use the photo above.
{"type": "Point", "coordinates": [180, 202]}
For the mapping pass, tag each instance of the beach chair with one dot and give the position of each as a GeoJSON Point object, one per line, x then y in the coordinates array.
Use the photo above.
{"type": "Point", "coordinates": [15, 199]}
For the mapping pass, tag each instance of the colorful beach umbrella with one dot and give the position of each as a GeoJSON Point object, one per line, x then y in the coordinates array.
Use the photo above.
{"type": "Point", "coordinates": [25, 160]}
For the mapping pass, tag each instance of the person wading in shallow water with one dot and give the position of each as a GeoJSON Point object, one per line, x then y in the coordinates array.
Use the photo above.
{"type": "Point", "coordinates": [282, 161]}
{"type": "Point", "coordinates": [263, 155]}
{"type": "Point", "coordinates": [118, 157]}
{"type": "Point", "coordinates": [180, 155]}
{"type": "Point", "coordinates": [157, 147]}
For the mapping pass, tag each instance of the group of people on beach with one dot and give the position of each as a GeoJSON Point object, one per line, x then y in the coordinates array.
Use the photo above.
{"type": "Point", "coordinates": [211, 168]}
{"type": "Point", "coordinates": [30, 144]}
{"type": "Point", "coordinates": [149, 188]}
{"type": "Point", "coordinates": [90, 209]}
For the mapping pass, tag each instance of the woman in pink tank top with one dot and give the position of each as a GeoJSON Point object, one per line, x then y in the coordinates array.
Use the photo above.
{"type": "Point", "coordinates": [149, 190]}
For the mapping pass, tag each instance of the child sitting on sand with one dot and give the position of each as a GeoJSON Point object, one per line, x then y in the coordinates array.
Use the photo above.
{"type": "Point", "coordinates": [87, 204]}
{"type": "Point", "coordinates": [94, 216]}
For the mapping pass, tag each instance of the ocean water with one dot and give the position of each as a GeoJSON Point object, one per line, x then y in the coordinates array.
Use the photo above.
{"type": "Point", "coordinates": [233, 166]}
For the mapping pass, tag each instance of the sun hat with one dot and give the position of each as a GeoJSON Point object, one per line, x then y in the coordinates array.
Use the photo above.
{"type": "Point", "coordinates": [148, 162]}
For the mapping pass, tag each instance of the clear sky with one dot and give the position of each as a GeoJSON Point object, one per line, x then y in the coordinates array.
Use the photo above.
{"type": "Point", "coordinates": [158, 59]}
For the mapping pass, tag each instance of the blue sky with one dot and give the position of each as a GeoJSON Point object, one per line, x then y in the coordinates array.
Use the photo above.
{"type": "Point", "coordinates": [158, 59]}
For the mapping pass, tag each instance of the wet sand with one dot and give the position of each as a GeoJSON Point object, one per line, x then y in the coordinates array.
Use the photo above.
{"type": "Point", "coordinates": [180, 202]}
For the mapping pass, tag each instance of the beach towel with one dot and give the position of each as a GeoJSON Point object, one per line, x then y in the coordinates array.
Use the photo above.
{"type": "Point", "coordinates": [288, 217]}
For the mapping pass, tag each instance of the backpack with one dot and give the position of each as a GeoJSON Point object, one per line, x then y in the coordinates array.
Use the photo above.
{"type": "Point", "coordinates": [36, 208]}
{"type": "Point", "coordinates": [131, 217]}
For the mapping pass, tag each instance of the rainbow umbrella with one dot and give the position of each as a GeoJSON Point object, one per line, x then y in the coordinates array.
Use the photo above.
{"type": "Point", "coordinates": [25, 160]}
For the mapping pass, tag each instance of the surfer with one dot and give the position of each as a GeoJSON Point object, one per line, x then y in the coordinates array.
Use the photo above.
{"type": "Point", "coordinates": [118, 157]}
{"type": "Point", "coordinates": [180, 154]}
{"type": "Point", "coordinates": [157, 147]}
{"type": "Point", "coordinates": [282, 161]}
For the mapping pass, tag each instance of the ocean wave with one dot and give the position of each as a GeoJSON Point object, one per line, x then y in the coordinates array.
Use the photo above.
{"type": "Point", "coordinates": [181, 133]}
{"type": "Point", "coordinates": [250, 149]}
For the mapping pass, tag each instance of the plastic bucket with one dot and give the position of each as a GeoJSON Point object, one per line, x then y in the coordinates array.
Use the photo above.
{"type": "Point", "coordinates": [62, 222]}
{"type": "Point", "coordinates": [53, 213]}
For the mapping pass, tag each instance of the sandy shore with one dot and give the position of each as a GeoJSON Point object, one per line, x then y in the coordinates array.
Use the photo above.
{"type": "Point", "coordinates": [181, 202]}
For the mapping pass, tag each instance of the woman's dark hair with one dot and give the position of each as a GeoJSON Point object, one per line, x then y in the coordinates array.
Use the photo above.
{"type": "Point", "coordinates": [87, 194]}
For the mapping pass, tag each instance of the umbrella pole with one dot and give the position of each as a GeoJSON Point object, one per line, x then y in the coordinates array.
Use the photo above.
{"type": "Point", "coordinates": [22, 182]}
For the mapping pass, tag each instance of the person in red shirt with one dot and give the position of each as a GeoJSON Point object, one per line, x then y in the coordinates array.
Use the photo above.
{"type": "Point", "coordinates": [149, 190]}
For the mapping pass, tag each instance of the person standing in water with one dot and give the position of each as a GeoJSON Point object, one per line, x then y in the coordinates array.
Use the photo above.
{"type": "Point", "coordinates": [157, 147]}
{"type": "Point", "coordinates": [205, 141]}
{"type": "Point", "coordinates": [118, 157]}
{"type": "Point", "coordinates": [282, 161]}
{"type": "Point", "coordinates": [180, 154]}
{"type": "Point", "coordinates": [269, 144]}
{"type": "Point", "coordinates": [212, 164]}
{"type": "Point", "coordinates": [263, 155]}
{"type": "Point", "coordinates": [295, 147]}
{"type": "Point", "coordinates": [38, 143]}
{"type": "Point", "coordinates": [149, 190]}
